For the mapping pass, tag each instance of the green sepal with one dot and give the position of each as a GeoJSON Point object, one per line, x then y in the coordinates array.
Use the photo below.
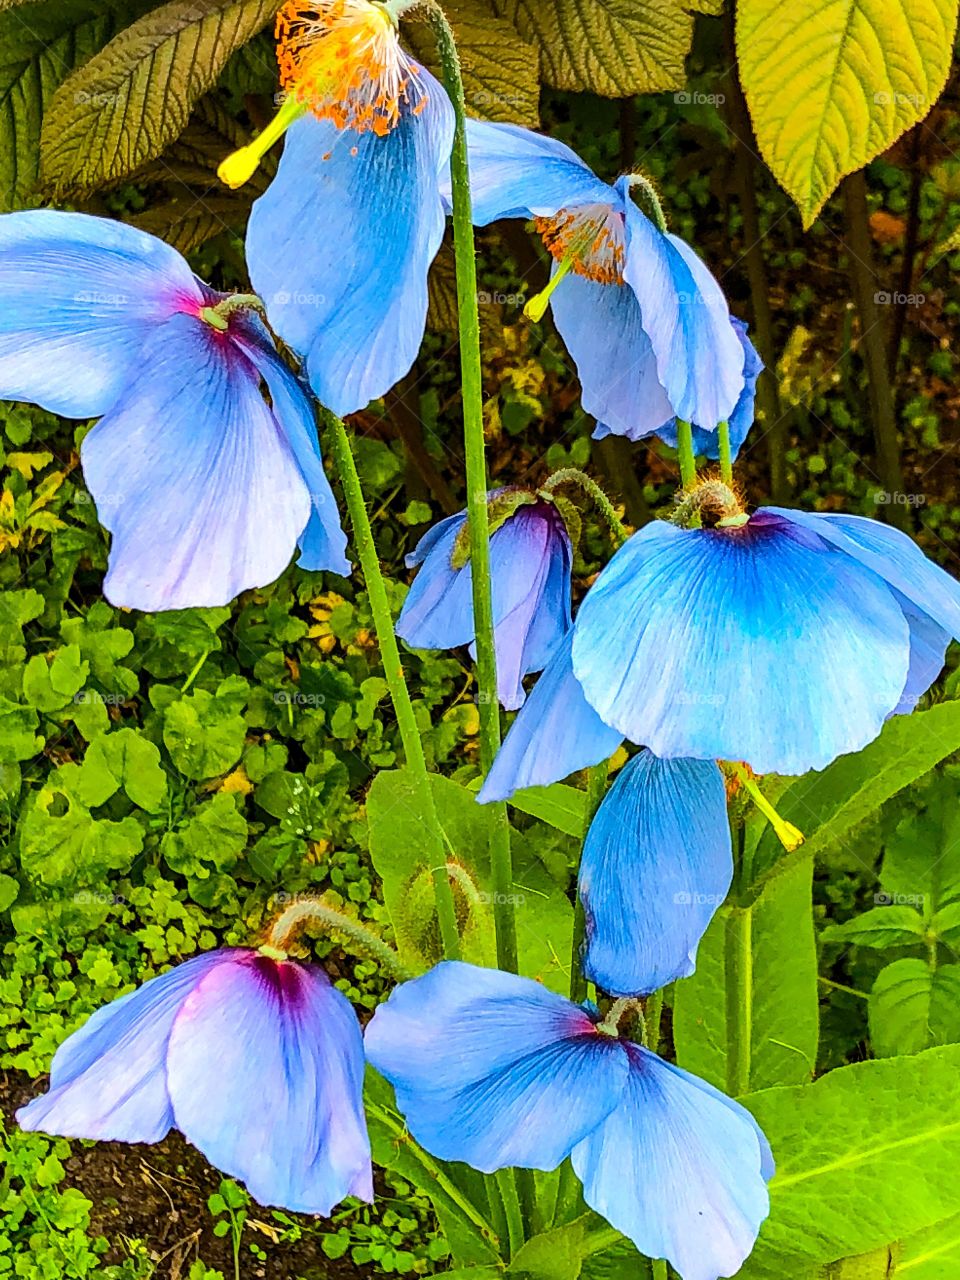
{"type": "Point", "coordinates": [499, 510]}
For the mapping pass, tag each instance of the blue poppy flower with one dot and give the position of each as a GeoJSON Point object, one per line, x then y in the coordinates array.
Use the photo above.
{"type": "Point", "coordinates": [705, 443]}
{"type": "Point", "coordinates": [257, 1061]}
{"type": "Point", "coordinates": [657, 863]}
{"type": "Point", "coordinates": [205, 487]}
{"type": "Point", "coordinates": [784, 642]}
{"type": "Point", "coordinates": [340, 244]}
{"type": "Point", "coordinates": [644, 320]}
{"type": "Point", "coordinates": [495, 1070]}
{"type": "Point", "coordinates": [530, 564]}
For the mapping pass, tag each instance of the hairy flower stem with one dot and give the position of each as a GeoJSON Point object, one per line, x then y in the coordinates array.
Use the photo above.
{"type": "Point", "coordinates": [652, 1014]}
{"type": "Point", "coordinates": [476, 471]}
{"type": "Point", "coordinates": [572, 475]}
{"type": "Point", "coordinates": [685, 454]}
{"type": "Point", "coordinates": [358, 938]}
{"type": "Point", "coordinates": [396, 683]}
{"type": "Point", "coordinates": [726, 455]}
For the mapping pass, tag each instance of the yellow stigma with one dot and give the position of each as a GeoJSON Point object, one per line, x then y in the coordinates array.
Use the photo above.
{"type": "Point", "coordinates": [342, 60]}
{"type": "Point", "coordinates": [789, 836]}
{"type": "Point", "coordinates": [243, 164]}
{"type": "Point", "coordinates": [537, 305]}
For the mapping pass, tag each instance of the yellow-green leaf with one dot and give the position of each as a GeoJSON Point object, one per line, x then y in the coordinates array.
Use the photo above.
{"type": "Point", "coordinates": [832, 83]}
{"type": "Point", "coordinates": [135, 96]}
{"type": "Point", "coordinates": [612, 47]}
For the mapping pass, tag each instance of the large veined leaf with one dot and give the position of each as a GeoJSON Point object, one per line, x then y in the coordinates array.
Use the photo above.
{"type": "Point", "coordinates": [913, 1006]}
{"type": "Point", "coordinates": [866, 1155]}
{"type": "Point", "coordinates": [832, 83]}
{"type": "Point", "coordinates": [41, 44]}
{"type": "Point", "coordinates": [501, 69]}
{"type": "Point", "coordinates": [748, 1017]}
{"type": "Point", "coordinates": [612, 47]}
{"type": "Point", "coordinates": [134, 97]}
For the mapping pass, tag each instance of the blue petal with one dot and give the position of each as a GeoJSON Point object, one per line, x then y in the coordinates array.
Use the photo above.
{"type": "Point", "coordinates": [78, 296]}
{"type": "Point", "coordinates": [602, 327]}
{"type": "Point", "coordinates": [516, 173]}
{"type": "Point", "coordinates": [891, 555]}
{"type": "Point", "coordinates": [759, 644]}
{"type": "Point", "coordinates": [193, 477]}
{"type": "Point", "coordinates": [928, 652]}
{"type": "Point", "coordinates": [355, 305]}
{"type": "Point", "coordinates": [678, 1170]}
{"type": "Point", "coordinates": [700, 360]}
{"type": "Point", "coordinates": [265, 1071]}
{"type": "Point", "coordinates": [705, 443]}
{"type": "Point", "coordinates": [108, 1080]}
{"type": "Point", "coordinates": [493, 1069]}
{"type": "Point", "coordinates": [323, 543]}
{"type": "Point", "coordinates": [556, 733]}
{"type": "Point", "coordinates": [437, 612]}
{"type": "Point", "coordinates": [657, 863]}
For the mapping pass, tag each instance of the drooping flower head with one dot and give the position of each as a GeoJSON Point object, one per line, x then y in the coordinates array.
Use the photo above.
{"type": "Point", "coordinates": [495, 1070]}
{"type": "Point", "coordinates": [783, 640]}
{"type": "Point", "coordinates": [206, 488]}
{"type": "Point", "coordinates": [643, 318]}
{"type": "Point", "coordinates": [368, 134]}
{"type": "Point", "coordinates": [258, 1061]}
{"type": "Point", "coordinates": [657, 863]}
{"type": "Point", "coordinates": [530, 562]}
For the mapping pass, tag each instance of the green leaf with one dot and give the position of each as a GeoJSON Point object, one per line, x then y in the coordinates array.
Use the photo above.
{"type": "Point", "coordinates": [921, 859]}
{"type": "Point", "coordinates": [215, 832]}
{"type": "Point", "coordinates": [616, 48]}
{"type": "Point", "coordinates": [9, 891]}
{"type": "Point", "coordinates": [893, 926]}
{"type": "Point", "coordinates": [40, 44]}
{"type": "Point", "coordinates": [133, 98]}
{"type": "Point", "coordinates": [914, 1007]}
{"type": "Point", "coordinates": [866, 1154]}
{"type": "Point", "coordinates": [832, 85]}
{"type": "Point", "coordinates": [933, 1254]}
{"type": "Point", "coordinates": [51, 686]}
{"type": "Point", "coordinates": [559, 805]}
{"type": "Point", "coordinates": [828, 805]}
{"type": "Point", "coordinates": [749, 1016]}
{"type": "Point", "coordinates": [204, 733]}
{"type": "Point", "coordinates": [62, 844]}
{"type": "Point", "coordinates": [18, 725]}
{"type": "Point", "coordinates": [123, 759]}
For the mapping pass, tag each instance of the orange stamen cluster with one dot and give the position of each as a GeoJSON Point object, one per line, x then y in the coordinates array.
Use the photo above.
{"type": "Point", "coordinates": [342, 60]}
{"type": "Point", "coordinates": [592, 236]}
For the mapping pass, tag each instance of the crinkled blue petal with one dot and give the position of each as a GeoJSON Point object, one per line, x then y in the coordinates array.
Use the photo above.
{"type": "Point", "coordinates": [78, 296]}
{"type": "Point", "coordinates": [265, 1072]}
{"type": "Point", "coordinates": [108, 1080]}
{"type": "Point", "coordinates": [705, 443]}
{"type": "Point", "coordinates": [893, 556]}
{"type": "Point", "coordinates": [700, 360]}
{"type": "Point", "coordinates": [323, 542]}
{"type": "Point", "coordinates": [678, 1169]}
{"type": "Point", "coordinates": [760, 644]}
{"type": "Point", "coordinates": [657, 863]}
{"type": "Point", "coordinates": [516, 173]}
{"type": "Point", "coordinates": [369, 211]}
{"type": "Point", "coordinates": [602, 327]}
{"type": "Point", "coordinates": [192, 476]}
{"type": "Point", "coordinates": [494, 1069]}
{"type": "Point", "coordinates": [556, 733]}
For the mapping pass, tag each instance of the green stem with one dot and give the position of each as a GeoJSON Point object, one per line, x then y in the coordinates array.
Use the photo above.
{"type": "Point", "coordinates": [573, 475]}
{"type": "Point", "coordinates": [650, 196]}
{"type": "Point", "coordinates": [360, 939]}
{"type": "Point", "coordinates": [726, 456]}
{"type": "Point", "coordinates": [660, 1271]}
{"type": "Point", "coordinates": [653, 1013]}
{"type": "Point", "coordinates": [396, 683]}
{"type": "Point", "coordinates": [596, 785]}
{"type": "Point", "coordinates": [739, 976]}
{"type": "Point", "coordinates": [685, 454]}
{"type": "Point", "coordinates": [476, 474]}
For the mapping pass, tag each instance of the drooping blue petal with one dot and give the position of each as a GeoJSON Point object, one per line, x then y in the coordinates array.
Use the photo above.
{"type": "Point", "coordinates": [602, 327]}
{"type": "Point", "coordinates": [706, 443]}
{"type": "Point", "coordinates": [556, 733]}
{"type": "Point", "coordinates": [657, 863]}
{"type": "Point", "coordinates": [516, 173]}
{"type": "Point", "coordinates": [758, 644]}
{"type": "Point", "coordinates": [108, 1080]}
{"type": "Point", "coordinates": [369, 210]}
{"type": "Point", "coordinates": [192, 476]}
{"type": "Point", "coordinates": [78, 297]}
{"type": "Point", "coordinates": [678, 1170]}
{"type": "Point", "coordinates": [928, 651]}
{"type": "Point", "coordinates": [265, 1072]}
{"type": "Point", "coordinates": [494, 1069]}
{"type": "Point", "coordinates": [323, 542]}
{"type": "Point", "coordinates": [893, 556]}
{"type": "Point", "coordinates": [530, 561]}
{"type": "Point", "coordinates": [700, 360]}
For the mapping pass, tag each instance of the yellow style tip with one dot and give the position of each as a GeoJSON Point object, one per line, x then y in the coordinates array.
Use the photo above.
{"type": "Point", "coordinates": [789, 836]}
{"type": "Point", "coordinates": [536, 307]}
{"type": "Point", "coordinates": [239, 167]}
